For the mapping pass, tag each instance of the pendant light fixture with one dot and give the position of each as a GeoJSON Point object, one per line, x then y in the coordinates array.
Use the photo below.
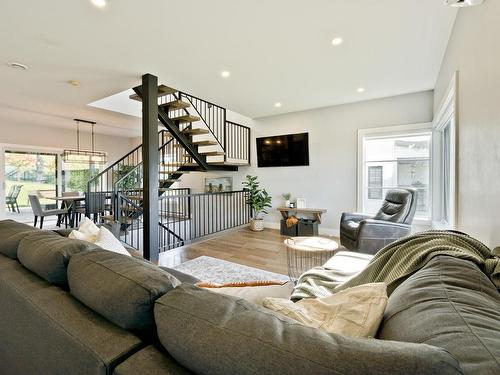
{"type": "Point", "coordinates": [84, 156]}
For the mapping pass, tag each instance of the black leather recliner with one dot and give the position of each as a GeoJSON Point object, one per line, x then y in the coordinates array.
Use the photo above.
{"type": "Point", "coordinates": [368, 234]}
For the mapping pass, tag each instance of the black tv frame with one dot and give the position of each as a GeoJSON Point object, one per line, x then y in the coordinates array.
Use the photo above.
{"type": "Point", "coordinates": [260, 141]}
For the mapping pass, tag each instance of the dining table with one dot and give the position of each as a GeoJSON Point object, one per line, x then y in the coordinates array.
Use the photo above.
{"type": "Point", "coordinates": [69, 202]}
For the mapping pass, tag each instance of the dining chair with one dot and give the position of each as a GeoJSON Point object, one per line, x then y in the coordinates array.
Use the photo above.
{"type": "Point", "coordinates": [95, 204]}
{"type": "Point", "coordinates": [11, 198]}
{"type": "Point", "coordinates": [39, 212]}
{"type": "Point", "coordinates": [77, 206]}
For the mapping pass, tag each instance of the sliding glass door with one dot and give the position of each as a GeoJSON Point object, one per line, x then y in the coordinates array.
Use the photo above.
{"type": "Point", "coordinates": [29, 173]}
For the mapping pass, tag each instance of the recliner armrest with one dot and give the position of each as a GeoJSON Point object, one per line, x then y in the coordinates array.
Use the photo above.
{"type": "Point", "coordinates": [354, 216]}
{"type": "Point", "coordinates": [382, 229]}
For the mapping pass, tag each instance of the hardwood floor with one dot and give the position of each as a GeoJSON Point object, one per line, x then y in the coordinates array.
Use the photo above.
{"type": "Point", "coordinates": [264, 250]}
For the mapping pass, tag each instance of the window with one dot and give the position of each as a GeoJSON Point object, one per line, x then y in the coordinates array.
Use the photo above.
{"type": "Point", "coordinates": [76, 175]}
{"type": "Point", "coordinates": [30, 173]}
{"type": "Point", "coordinates": [444, 178]}
{"type": "Point", "coordinates": [375, 182]}
{"type": "Point", "coordinates": [395, 157]}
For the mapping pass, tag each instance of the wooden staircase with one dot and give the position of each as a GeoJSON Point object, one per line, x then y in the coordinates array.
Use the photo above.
{"type": "Point", "coordinates": [200, 140]}
{"type": "Point", "coordinates": [197, 138]}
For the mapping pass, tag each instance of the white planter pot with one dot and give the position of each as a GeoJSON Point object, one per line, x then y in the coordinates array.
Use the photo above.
{"type": "Point", "coordinates": [257, 225]}
{"type": "Point", "coordinates": [287, 203]}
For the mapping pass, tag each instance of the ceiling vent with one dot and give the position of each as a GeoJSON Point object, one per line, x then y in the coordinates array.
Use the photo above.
{"type": "Point", "coordinates": [462, 3]}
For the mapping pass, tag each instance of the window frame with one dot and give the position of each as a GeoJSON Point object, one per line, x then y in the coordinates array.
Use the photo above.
{"type": "Point", "coordinates": [446, 117]}
{"type": "Point", "coordinates": [389, 132]}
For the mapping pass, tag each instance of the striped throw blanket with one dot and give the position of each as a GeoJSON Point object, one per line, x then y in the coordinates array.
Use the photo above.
{"type": "Point", "coordinates": [397, 261]}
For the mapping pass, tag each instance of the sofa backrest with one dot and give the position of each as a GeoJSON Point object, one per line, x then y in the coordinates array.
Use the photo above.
{"type": "Point", "coordinates": [213, 334]}
{"type": "Point", "coordinates": [11, 234]}
{"type": "Point", "coordinates": [452, 304]}
{"type": "Point", "coordinates": [44, 330]}
{"type": "Point", "coordinates": [47, 254]}
{"type": "Point", "coordinates": [123, 289]}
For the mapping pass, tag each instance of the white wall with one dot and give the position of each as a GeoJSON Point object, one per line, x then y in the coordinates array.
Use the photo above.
{"type": "Point", "coordinates": [474, 52]}
{"type": "Point", "coordinates": [330, 179]}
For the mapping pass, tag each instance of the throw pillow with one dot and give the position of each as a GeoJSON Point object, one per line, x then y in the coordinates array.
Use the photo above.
{"type": "Point", "coordinates": [356, 311]}
{"type": "Point", "coordinates": [87, 231]}
{"type": "Point", "coordinates": [108, 241]}
{"type": "Point", "coordinates": [77, 235]}
{"type": "Point", "coordinates": [254, 294]}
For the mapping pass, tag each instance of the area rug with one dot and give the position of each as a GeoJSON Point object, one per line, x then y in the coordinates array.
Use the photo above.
{"type": "Point", "coordinates": [221, 271]}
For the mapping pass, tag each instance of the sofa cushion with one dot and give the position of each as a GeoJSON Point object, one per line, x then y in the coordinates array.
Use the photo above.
{"type": "Point", "coordinates": [47, 254]}
{"type": "Point", "coordinates": [215, 334]}
{"type": "Point", "coordinates": [121, 288]}
{"type": "Point", "coordinates": [181, 276]}
{"type": "Point", "coordinates": [449, 303]}
{"type": "Point", "coordinates": [150, 361]}
{"type": "Point", "coordinates": [11, 233]}
{"type": "Point", "coordinates": [43, 330]}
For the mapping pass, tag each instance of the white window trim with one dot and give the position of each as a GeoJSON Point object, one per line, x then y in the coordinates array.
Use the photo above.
{"type": "Point", "coordinates": [448, 111]}
{"type": "Point", "coordinates": [389, 131]}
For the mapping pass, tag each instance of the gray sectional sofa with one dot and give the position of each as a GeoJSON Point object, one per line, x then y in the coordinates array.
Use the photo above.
{"type": "Point", "coordinates": [69, 307]}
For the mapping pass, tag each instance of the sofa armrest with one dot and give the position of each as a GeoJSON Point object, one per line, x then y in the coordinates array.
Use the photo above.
{"type": "Point", "coordinates": [354, 216]}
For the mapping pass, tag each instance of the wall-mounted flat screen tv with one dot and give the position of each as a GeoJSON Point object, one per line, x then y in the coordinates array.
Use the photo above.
{"type": "Point", "coordinates": [283, 150]}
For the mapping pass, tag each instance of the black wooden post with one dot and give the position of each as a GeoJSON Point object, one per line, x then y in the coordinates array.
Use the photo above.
{"type": "Point", "coordinates": [150, 145]}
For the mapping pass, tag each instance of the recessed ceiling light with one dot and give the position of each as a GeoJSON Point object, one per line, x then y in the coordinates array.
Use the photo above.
{"type": "Point", "coordinates": [99, 3]}
{"type": "Point", "coordinates": [16, 65]}
{"type": "Point", "coordinates": [361, 89]}
{"type": "Point", "coordinates": [225, 74]}
{"type": "Point", "coordinates": [277, 105]}
{"type": "Point", "coordinates": [74, 82]}
{"type": "Point", "coordinates": [337, 41]}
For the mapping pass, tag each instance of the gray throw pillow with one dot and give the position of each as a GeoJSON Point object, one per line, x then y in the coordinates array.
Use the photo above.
{"type": "Point", "coordinates": [214, 334]}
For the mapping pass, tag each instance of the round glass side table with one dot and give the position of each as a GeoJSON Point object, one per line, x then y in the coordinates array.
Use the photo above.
{"type": "Point", "coordinates": [304, 253]}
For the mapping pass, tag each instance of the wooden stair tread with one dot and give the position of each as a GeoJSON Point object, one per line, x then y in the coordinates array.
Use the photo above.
{"type": "Point", "coordinates": [175, 104]}
{"type": "Point", "coordinates": [207, 142]}
{"type": "Point", "coordinates": [170, 172]}
{"type": "Point", "coordinates": [186, 118]}
{"type": "Point", "coordinates": [196, 131]}
{"type": "Point", "coordinates": [162, 91]}
{"type": "Point", "coordinates": [212, 153]}
{"type": "Point", "coordinates": [178, 164]}
{"type": "Point", "coordinates": [171, 180]}
{"type": "Point", "coordinates": [121, 219]}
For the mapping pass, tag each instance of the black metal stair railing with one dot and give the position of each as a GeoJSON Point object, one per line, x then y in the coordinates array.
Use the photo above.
{"type": "Point", "coordinates": [213, 115]}
{"type": "Point", "coordinates": [201, 215]}
{"type": "Point", "coordinates": [238, 142]}
{"type": "Point", "coordinates": [102, 185]}
{"type": "Point", "coordinates": [234, 139]}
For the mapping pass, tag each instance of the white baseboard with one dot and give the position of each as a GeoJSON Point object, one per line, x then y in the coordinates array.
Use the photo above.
{"type": "Point", "coordinates": [322, 231]}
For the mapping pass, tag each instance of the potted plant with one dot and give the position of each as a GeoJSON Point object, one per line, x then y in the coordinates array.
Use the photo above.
{"type": "Point", "coordinates": [286, 197]}
{"type": "Point", "coordinates": [259, 200]}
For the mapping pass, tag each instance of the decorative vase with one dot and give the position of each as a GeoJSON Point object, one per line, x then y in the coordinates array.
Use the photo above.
{"type": "Point", "coordinates": [257, 225]}
{"type": "Point", "coordinates": [287, 203]}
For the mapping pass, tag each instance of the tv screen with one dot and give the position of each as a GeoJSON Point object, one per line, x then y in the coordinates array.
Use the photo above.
{"type": "Point", "coordinates": [283, 150]}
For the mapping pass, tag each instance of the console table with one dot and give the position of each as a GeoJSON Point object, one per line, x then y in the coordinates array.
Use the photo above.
{"type": "Point", "coordinates": [316, 212]}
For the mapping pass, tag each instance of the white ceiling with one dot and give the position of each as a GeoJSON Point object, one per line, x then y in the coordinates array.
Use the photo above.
{"type": "Point", "coordinates": [276, 51]}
